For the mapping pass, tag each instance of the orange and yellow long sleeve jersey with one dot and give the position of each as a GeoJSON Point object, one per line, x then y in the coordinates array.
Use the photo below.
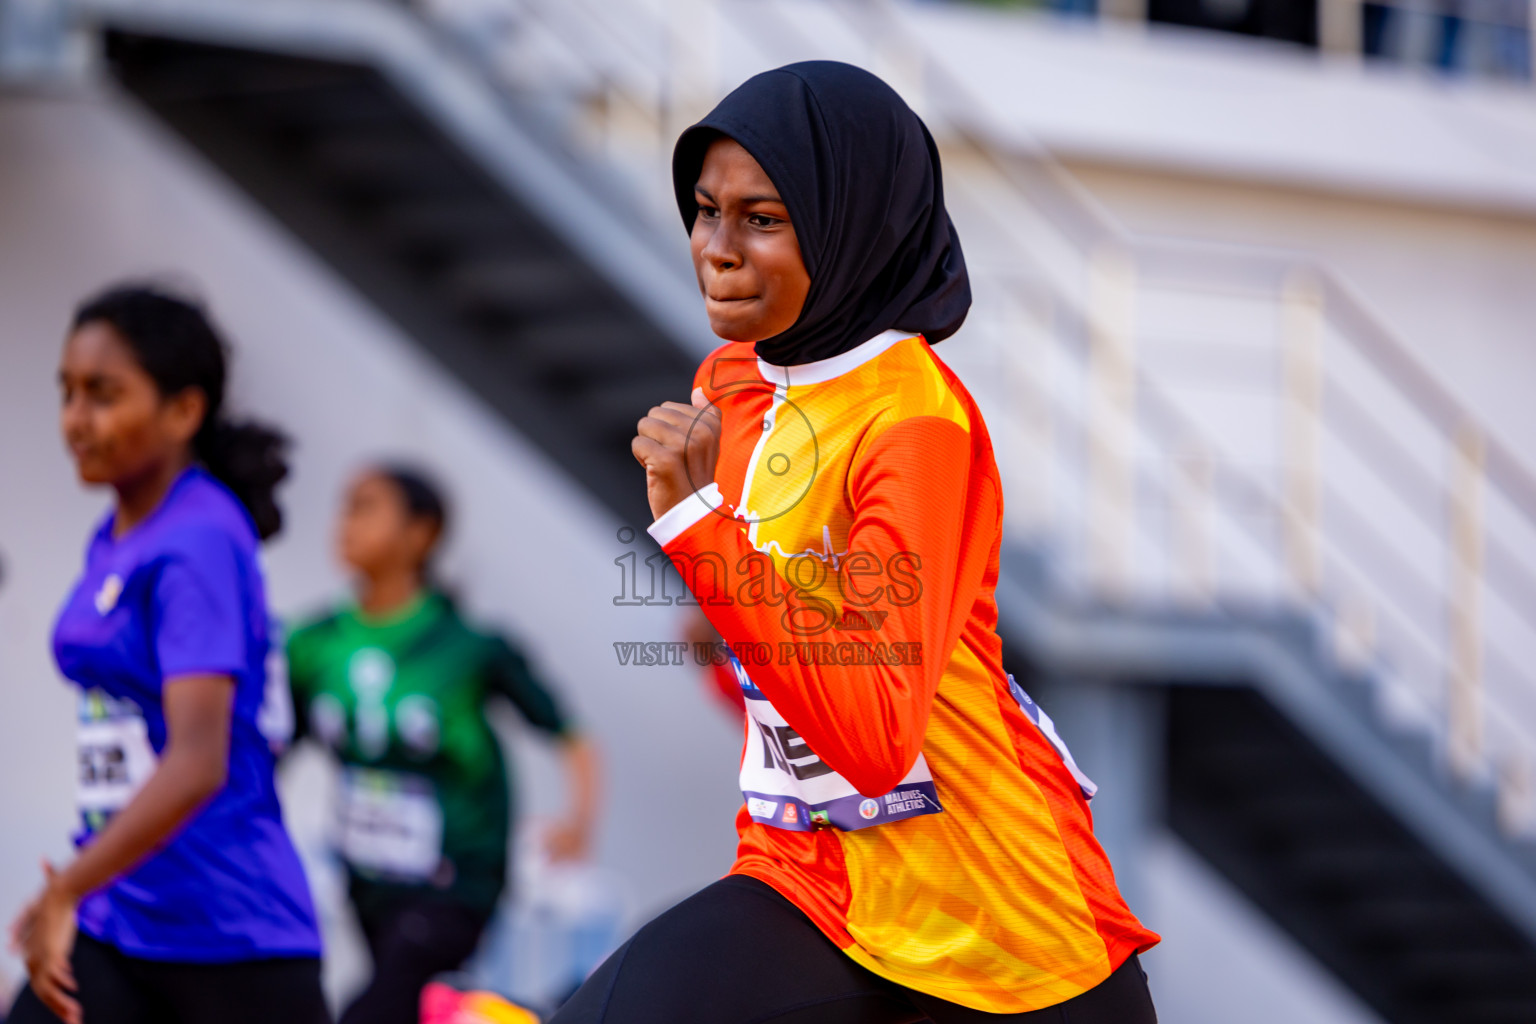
{"type": "Point", "coordinates": [898, 787]}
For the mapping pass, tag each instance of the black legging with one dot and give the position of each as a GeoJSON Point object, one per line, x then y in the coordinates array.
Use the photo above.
{"type": "Point", "coordinates": [115, 988]}
{"type": "Point", "coordinates": [737, 952]}
{"type": "Point", "coordinates": [410, 942]}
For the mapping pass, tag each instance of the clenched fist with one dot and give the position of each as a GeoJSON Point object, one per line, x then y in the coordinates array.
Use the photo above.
{"type": "Point", "coordinates": [678, 445]}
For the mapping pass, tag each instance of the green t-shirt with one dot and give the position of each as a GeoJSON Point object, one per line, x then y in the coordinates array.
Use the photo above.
{"type": "Point", "coordinates": [426, 804]}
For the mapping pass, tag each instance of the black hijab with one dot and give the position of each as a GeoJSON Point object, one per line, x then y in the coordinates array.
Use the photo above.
{"type": "Point", "coordinates": [859, 174]}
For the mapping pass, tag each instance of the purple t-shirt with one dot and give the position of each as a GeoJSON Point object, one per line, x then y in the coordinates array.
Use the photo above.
{"type": "Point", "coordinates": [182, 594]}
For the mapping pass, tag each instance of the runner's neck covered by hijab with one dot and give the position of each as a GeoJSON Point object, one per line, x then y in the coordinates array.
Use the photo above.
{"type": "Point", "coordinates": [859, 174]}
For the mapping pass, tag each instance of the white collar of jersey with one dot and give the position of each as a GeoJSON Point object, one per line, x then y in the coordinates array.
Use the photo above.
{"type": "Point", "coordinates": [823, 370]}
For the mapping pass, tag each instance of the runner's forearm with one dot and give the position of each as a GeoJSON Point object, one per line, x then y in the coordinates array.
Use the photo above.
{"type": "Point", "coordinates": [867, 725]}
{"type": "Point", "coordinates": [584, 781]}
{"type": "Point", "coordinates": [171, 795]}
{"type": "Point", "coordinates": [192, 768]}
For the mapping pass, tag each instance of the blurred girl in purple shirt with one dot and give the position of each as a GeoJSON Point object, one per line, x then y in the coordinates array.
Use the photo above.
{"type": "Point", "coordinates": [185, 901]}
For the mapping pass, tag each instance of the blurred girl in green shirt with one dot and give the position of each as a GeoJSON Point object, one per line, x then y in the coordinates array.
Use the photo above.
{"type": "Point", "coordinates": [396, 684]}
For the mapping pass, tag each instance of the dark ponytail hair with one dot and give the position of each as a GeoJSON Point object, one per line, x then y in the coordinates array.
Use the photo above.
{"type": "Point", "coordinates": [175, 343]}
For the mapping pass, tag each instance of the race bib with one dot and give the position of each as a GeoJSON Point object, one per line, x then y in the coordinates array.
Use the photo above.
{"type": "Point", "coordinates": [787, 786]}
{"type": "Point", "coordinates": [391, 824]}
{"type": "Point", "coordinates": [115, 755]}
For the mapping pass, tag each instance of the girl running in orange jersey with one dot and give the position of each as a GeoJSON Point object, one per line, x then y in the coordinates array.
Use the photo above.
{"type": "Point", "coordinates": [915, 842]}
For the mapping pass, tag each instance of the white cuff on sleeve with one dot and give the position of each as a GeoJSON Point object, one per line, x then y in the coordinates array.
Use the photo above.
{"type": "Point", "coordinates": [675, 520]}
